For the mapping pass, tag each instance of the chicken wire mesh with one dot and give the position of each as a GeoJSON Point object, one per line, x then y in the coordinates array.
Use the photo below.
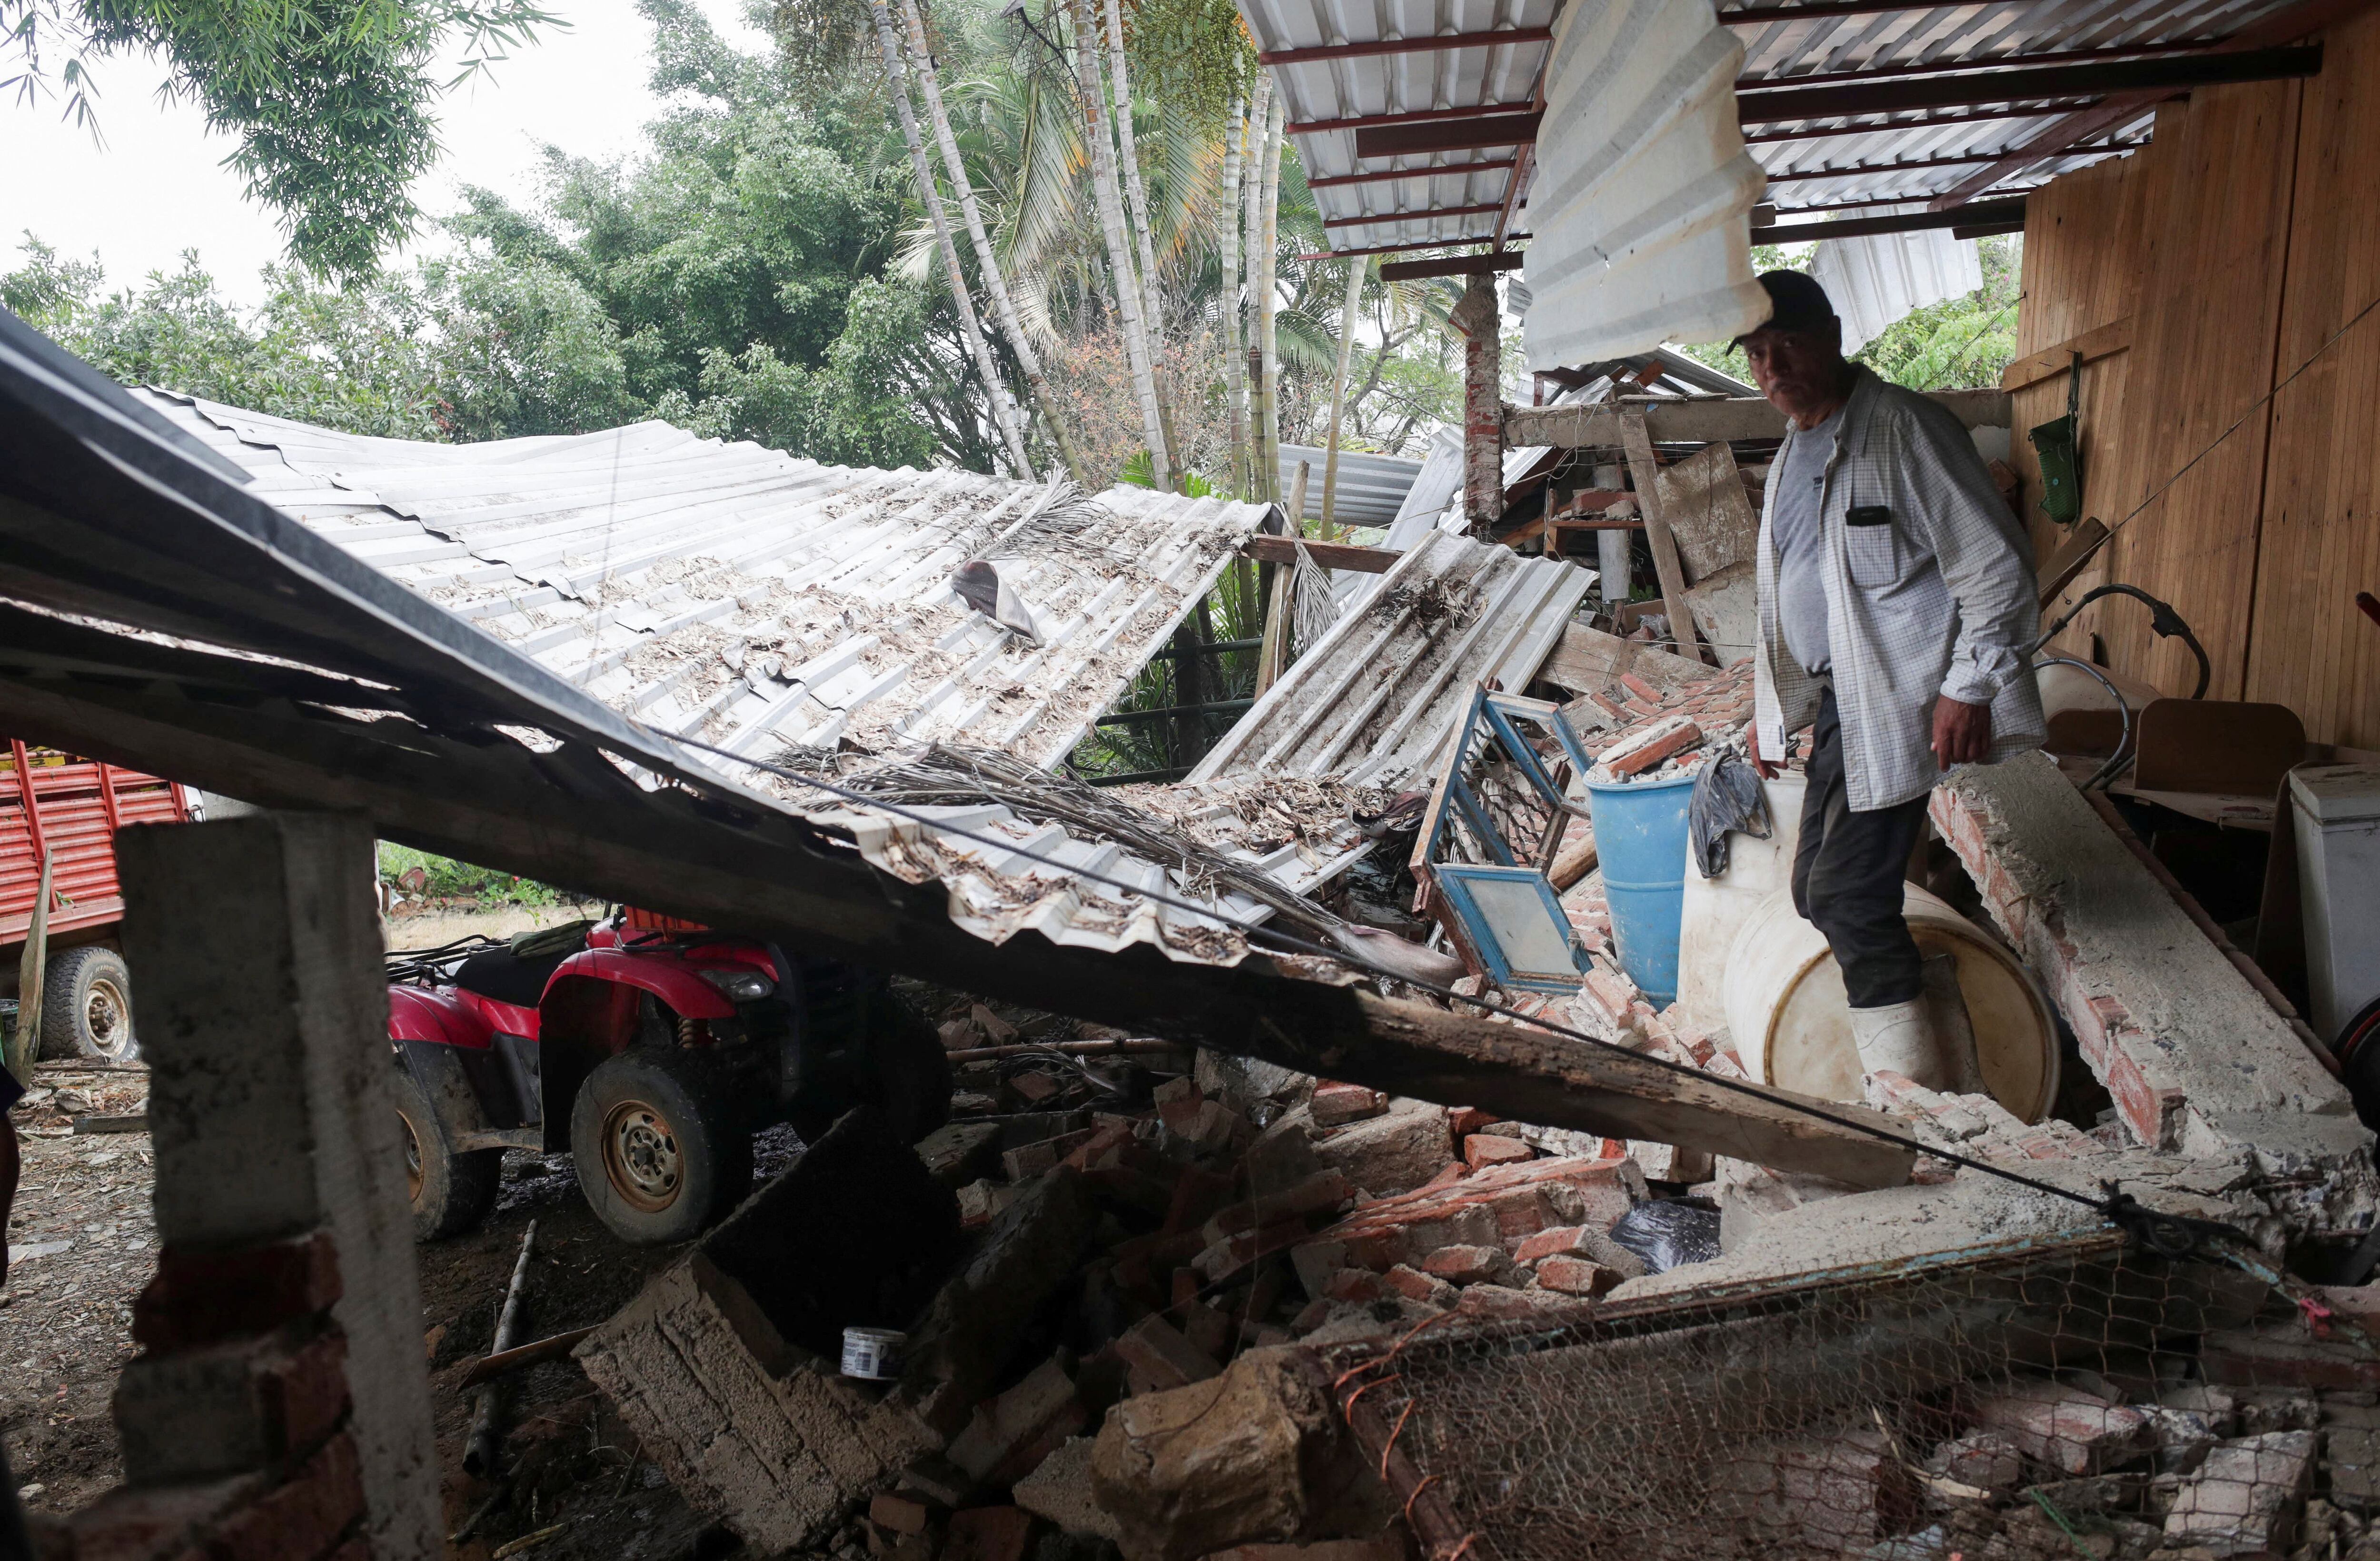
{"type": "Point", "coordinates": [2087, 1398]}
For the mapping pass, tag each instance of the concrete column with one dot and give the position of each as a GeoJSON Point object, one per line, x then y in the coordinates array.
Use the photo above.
{"type": "Point", "coordinates": [280, 1177]}
{"type": "Point", "coordinates": [1480, 321]}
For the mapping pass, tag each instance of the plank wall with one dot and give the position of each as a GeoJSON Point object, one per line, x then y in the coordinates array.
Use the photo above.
{"type": "Point", "coordinates": [2236, 243]}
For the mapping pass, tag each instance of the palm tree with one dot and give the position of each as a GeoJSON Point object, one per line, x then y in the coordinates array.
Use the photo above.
{"type": "Point", "coordinates": [1002, 414]}
{"type": "Point", "coordinates": [1356, 267]}
{"type": "Point", "coordinates": [1135, 189]}
{"type": "Point", "coordinates": [1261, 281]}
{"type": "Point", "coordinates": [987, 261]}
{"type": "Point", "coordinates": [1111, 208]}
{"type": "Point", "coordinates": [1235, 365]}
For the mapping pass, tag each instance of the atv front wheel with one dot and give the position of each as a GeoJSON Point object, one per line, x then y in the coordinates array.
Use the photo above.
{"type": "Point", "coordinates": [657, 1154]}
{"type": "Point", "coordinates": [450, 1192]}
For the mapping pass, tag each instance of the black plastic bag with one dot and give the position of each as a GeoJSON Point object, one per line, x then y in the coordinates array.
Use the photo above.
{"type": "Point", "coordinates": [1669, 1236]}
{"type": "Point", "coordinates": [1727, 797]}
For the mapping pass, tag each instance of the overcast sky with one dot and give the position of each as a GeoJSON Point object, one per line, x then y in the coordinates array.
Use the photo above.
{"type": "Point", "coordinates": [157, 187]}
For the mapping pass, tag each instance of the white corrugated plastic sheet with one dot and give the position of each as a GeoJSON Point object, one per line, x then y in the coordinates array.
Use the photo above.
{"type": "Point", "coordinates": [749, 598]}
{"type": "Point", "coordinates": [1640, 209]}
{"type": "Point", "coordinates": [1880, 280]}
{"type": "Point", "coordinates": [1376, 698]}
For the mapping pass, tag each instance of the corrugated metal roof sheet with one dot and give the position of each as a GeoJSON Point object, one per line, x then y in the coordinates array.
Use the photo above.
{"type": "Point", "coordinates": [1640, 209]}
{"type": "Point", "coordinates": [1371, 487]}
{"type": "Point", "coordinates": [1419, 82]}
{"type": "Point", "coordinates": [629, 562]}
{"type": "Point", "coordinates": [750, 598]}
{"type": "Point", "coordinates": [1374, 699]}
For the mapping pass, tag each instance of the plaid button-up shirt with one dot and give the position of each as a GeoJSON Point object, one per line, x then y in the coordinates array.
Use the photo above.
{"type": "Point", "coordinates": [1929, 590]}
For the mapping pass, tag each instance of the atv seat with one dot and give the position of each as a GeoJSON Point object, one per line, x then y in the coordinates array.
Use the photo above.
{"type": "Point", "coordinates": [505, 977]}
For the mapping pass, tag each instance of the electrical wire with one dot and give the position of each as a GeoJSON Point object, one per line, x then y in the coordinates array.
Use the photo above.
{"type": "Point", "coordinates": [2122, 756]}
{"type": "Point", "coordinates": [2114, 1206]}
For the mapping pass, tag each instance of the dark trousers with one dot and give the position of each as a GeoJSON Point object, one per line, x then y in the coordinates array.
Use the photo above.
{"type": "Point", "coordinates": [1847, 875]}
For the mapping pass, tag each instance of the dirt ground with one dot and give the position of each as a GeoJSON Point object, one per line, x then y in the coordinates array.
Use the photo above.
{"type": "Point", "coordinates": [81, 1244]}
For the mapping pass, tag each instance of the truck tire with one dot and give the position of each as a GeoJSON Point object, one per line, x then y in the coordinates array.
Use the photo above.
{"type": "Point", "coordinates": [657, 1148]}
{"type": "Point", "coordinates": [450, 1192]}
{"type": "Point", "coordinates": [87, 1006]}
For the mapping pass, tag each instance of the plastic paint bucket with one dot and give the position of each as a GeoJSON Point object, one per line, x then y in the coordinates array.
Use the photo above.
{"type": "Point", "coordinates": [873, 1354]}
{"type": "Point", "coordinates": [1640, 834]}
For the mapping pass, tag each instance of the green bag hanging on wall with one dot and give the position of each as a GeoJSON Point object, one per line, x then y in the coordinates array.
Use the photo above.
{"type": "Point", "coordinates": [2057, 443]}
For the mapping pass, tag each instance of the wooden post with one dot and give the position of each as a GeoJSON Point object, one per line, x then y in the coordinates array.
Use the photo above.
{"type": "Point", "coordinates": [1646, 471]}
{"type": "Point", "coordinates": [27, 1044]}
{"type": "Point", "coordinates": [1478, 318]}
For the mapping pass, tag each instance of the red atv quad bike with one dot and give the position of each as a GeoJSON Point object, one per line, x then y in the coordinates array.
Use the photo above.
{"type": "Point", "coordinates": [652, 1050]}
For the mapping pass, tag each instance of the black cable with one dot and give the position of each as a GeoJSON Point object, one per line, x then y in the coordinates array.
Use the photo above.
{"type": "Point", "coordinates": [2168, 622]}
{"type": "Point", "coordinates": [2118, 760]}
{"type": "Point", "coordinates": [1288, 944]}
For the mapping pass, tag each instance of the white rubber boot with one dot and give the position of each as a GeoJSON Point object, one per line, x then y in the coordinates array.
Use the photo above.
{"type": "Point", "coordinates": [1902, 1039]}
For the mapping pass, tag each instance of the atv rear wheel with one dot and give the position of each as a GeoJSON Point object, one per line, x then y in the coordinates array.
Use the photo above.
{"type": "Point", "coordinates": [658, 1154]}
{"type": "Point", "coordinates": [450, 1192]}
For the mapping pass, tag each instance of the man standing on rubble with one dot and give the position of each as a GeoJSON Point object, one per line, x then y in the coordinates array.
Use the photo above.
{"type": "Point", "coordinates": [1896, 604]}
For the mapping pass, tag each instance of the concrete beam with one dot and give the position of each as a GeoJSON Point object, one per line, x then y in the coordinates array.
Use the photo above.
{"type": "Point", "coordinates": [1702, 422]}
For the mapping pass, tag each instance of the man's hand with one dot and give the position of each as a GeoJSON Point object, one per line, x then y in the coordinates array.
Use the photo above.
{"type": "Point", "coordinates": [1962, 732]}
{"type": "Point", "coordinates": [1767, 769]}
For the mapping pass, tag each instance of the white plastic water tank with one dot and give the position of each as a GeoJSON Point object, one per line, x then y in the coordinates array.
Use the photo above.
{"type": "Point", "coordinates": [1748, 962]}
{"type": "Point", "coordinates": [2335, 811]}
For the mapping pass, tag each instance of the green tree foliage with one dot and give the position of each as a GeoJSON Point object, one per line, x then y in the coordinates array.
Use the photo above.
{"type": "Point", "coordinates": [332, 101]}
{"type": "Point", "coordinates": [1958, 344]}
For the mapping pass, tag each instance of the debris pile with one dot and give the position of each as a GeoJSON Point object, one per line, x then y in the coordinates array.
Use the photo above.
{"type": "Point", "coordinates": [1102, 1311]}
{"type": "Point", "coordinates": [1648, 731]}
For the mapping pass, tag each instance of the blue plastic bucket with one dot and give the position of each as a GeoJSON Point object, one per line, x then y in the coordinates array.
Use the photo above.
{"type": "Point", "coordinates": [1640, 834]}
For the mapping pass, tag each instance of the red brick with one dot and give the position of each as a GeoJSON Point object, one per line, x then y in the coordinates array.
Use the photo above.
{"type": "Point", "coordinates": [1483, 1149]}
{"type": "Point", "coordinates": [1612, 992]}
{"type": "Point", "coordinates": [1334, 1105]}
{"type": "Point", "coordinates": [304, 1516]}
{"type": "Point", "coordinates": [1413, 1285]}
{"type": "Point", "coordinates": [1220, 1260]}
{"type": "Point", "coordinates": [1521, 1212]}
{"type": "Point", "coordinates": [1575, 1276]}
{"type": "Point", "coordinates": [1638, 752]}
{"type": "Point", "coordinates": [1196, 1195]}
{"type": "Point", "coordinates": [903, 1515]}
{"type": "Point", "coordinates": [1467, 1120]}
{"type": "Point", "coordinates": [198, 1297]}
{"type": "Point", "coordinates": [1102, 1143]}
{"type": "Point", "coordinates": [989, 1533]}
{"type": "Point", "coordinates": [1355, 1285]}
{"type": "Point", "coordinates": [1155, 1350]}
{"type": "Point", "coordinates": [1561, 1242]}
{"type": "Point", "coordinates": [1641, 689]}
{"type": "Point", "coordinates": [1466, 1265]}
{"type": "Point", "coordinates": [135, 1523]}
{"type": "Point", "coordinates": [1318, 1194]}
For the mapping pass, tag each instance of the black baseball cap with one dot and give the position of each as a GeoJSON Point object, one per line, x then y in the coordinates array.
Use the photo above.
{"type": "Point", "coordinates": [1796, 302]}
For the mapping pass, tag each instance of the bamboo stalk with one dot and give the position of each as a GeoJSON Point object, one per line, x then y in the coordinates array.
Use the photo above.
{"type": "Point", "coordinates": [1355, 269]}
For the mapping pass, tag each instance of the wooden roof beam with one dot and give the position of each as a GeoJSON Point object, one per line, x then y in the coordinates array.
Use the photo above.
{"type": "Point", "coordinates": [1984, 214]}
{"type": "Point", "coordinates": [1384, 176]}
{"type": "Point", "coordinates": [2303, 20]}
{"type": "Point", "coordinates": [1423, 213]}
{"type": "Point", "coordinates": [2019, 84]}
{"type": "Point", "coordinates": [1452, 266]}
{"type": "Point", "coordinates": [1473, 133]}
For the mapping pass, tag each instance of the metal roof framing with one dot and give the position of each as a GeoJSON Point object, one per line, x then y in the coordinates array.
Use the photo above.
{"type": "Point", "coordinates": [1854, 104]}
